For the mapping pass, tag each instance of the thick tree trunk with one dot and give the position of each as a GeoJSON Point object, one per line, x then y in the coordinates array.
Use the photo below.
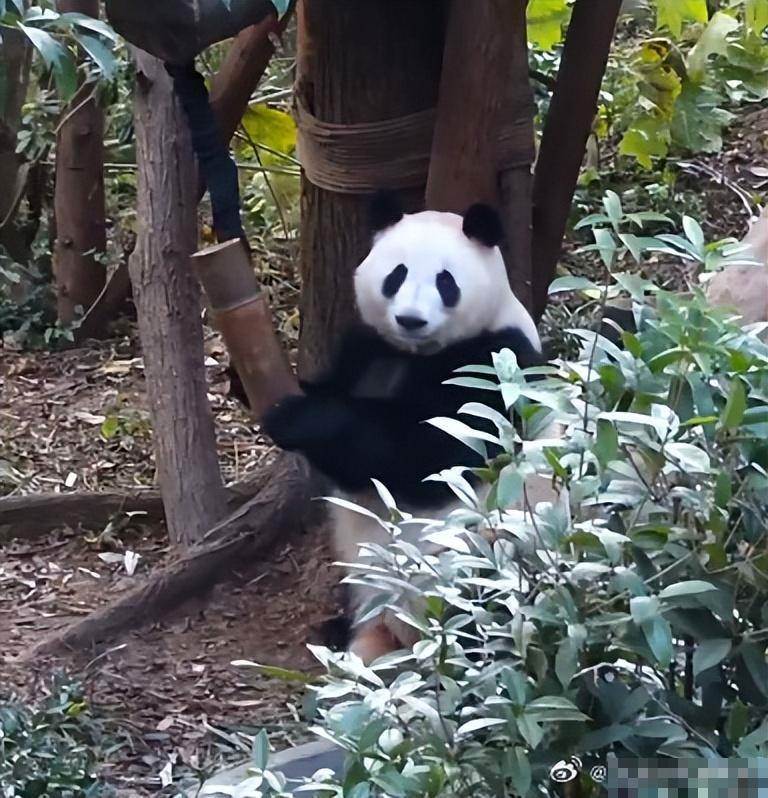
{"type": "Point", "coordinates": [464, 168]}
{"type": "Point", "coordinates": [79, 201]}
{"type": "Point", "coordinates": [360, 61]}
{"type": "Point", "coordinates": [15, 54]}
{"type": "Point", "coordinates": [167, 298]}
{"type": "Point", "coordinates": [567, 128]}
{"type": "Point", "coordinates": [469, 164]}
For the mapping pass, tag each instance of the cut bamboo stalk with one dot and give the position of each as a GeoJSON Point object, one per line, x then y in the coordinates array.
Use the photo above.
{"type": "Point", "coordinates": [242, 315]}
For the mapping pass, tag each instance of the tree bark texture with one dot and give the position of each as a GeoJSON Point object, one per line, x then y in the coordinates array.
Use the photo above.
{"type": "Point", "coordinates": [167, 298]}
{"type": "Point", "coordinates": [15, 55]}
{"type": "Point", "coordinates": [516, 180]}
{"type": "Point", "coordinates": [475, 103]}
{"type": "Point", "coordinates": [566, 130]}
{"type": "Point", "coordinates": [360, 61]}
{"type": "Point", "coordinates": [79, 198]}
{"type": "Point", "coordinates": [231, 90]}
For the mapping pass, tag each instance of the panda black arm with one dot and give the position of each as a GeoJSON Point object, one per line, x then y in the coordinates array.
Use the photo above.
{"type": "Point", "coordinates": [354, 440]}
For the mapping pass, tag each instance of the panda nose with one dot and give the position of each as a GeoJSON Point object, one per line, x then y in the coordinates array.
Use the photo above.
{"type": "Point", "coordinates": [410, 323]}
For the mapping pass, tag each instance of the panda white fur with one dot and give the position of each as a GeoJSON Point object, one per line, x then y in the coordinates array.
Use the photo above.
{"type": "Point", "coordinates": [433, 296]}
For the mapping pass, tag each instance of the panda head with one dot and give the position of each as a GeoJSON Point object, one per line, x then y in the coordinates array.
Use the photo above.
{"type": "Point", "coordinates": [432, 278]}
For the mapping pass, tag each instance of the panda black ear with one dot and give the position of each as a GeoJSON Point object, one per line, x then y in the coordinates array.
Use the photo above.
{"type": "Point", "coordinates": [482, 224]}
{"type": "Point", "coordinates": [384, 211]}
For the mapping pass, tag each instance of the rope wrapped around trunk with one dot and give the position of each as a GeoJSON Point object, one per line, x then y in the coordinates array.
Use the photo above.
{"type": "Point", "coordinates": [362, 157]}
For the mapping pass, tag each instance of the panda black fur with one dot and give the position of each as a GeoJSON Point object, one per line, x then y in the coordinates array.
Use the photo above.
{"type": "Point", "coordinates": [365, 418]}
{"type": "Point", "coordinates": [433, 296]}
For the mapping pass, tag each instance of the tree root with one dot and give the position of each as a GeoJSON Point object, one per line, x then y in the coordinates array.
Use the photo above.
{"type": "Point", "coordinates": [276, 512]}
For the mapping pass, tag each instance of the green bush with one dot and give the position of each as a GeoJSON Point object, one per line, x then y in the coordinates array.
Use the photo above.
{"type": "Point", "coordinates": [51, 749]}
{"type": "Point", "coordinates": [628, 619]}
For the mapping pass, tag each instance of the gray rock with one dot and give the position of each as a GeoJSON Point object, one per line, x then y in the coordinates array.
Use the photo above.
{"type": "Point", "coordinates": [294, 763]}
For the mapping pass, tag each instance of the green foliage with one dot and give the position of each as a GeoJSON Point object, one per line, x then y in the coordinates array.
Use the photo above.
{"type": "Point", "coordinates": [123, 427]}
{"type": "Point", "coordinates": [270, 129]}
{"type": "Point", "coordinates": [56, 38]}
{"type": "Point", "coordinates": [672, 14]}
{"type": "Point", "coordinates": [545, 22]}
{"type": "Point", "coordinates": [685, 85]}
{"type": "Point", "coordinates": [268, 136]}
{"type": "Point", "coordinates": [625, 618]}
{"type": "Point", "coordinates": [670, 84]}
{"type": "Point", "coordinates": [51, 749]}
{"type": "Point", "coordinates": [27, 307]}
{"type": "Point", "coordinates": [756, 14]}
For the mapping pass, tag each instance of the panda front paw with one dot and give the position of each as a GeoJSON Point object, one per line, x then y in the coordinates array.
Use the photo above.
{"type": "Point", "coordinates": [300, 423]}
{"type": "Point", "coordinates": [282, 421]}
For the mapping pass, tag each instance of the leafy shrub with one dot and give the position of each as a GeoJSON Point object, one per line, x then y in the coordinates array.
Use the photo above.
{"type": "Point", "coordinates": [671, 85]}
{"type": "Point", "coordinates": [28, 307]}
{"type": "Point", "coordinates": [628, 618]}
{"type": "Point", "coordinates": [56, 36]}
{"type": "Point", "coordinates": [51, 749]}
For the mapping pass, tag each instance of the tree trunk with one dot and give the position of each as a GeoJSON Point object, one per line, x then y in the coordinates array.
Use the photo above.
{"type": "Point", "coordinates": [388, 66]}
{"type": "Point", "coordinates": [567, 128]}
{"type": "Point", "coordinates": [167, 299]}
{"type": "Point", "coordinates": [463, 168]}
{"type": "Point", "coordinates": [516, 179]}
{"type": "Point", "coordinates": [469, 163]}
{"type": "Point", "coordinates": [231, 89]}
{"type": "Point", "coordinates": [15, 55]}
{"type": "Point", "coordinates": [79, 200]}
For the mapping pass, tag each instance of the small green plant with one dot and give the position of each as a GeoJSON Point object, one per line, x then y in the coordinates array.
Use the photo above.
{"type": "Point", "coordinates": [124, 426]}
{"type": "Point", "coordinates": [615, 232]}
{"type": "Point", "coordinates": [27, 306]}
{"type": "Point", "coordinates": [51, 749]}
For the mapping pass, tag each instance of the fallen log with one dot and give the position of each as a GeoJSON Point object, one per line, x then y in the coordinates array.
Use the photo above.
{"type": "Point", "coordinates": [35, 515]}
{"type": "Point", "coordinates": [277, 512]}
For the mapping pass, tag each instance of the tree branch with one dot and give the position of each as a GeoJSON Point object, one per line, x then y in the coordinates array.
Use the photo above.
{"type": "Point", "coordinates": [566, 131]}
{"type": "Point", "coordinates": [242, 70]}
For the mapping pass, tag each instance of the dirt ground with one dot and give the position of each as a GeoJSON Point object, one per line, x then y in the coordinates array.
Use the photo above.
{"type": "Point", "coordinates": [170, 688]}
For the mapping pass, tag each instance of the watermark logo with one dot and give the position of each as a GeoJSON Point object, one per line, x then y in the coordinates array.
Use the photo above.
{"type": "Point", "coordinates": [564, 771]}
{"type": "Point", "coordinates": [567, 770]}
{"type": "Point", "coordinates": [599, 773]}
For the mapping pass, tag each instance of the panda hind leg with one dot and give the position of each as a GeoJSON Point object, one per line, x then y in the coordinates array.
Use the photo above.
{"type": "Point", "coordinates": [381, 636]}
{"type": "Point", "coordinates": [373, 640]}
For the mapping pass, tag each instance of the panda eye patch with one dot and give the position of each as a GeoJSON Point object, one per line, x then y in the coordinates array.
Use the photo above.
{"type": "Point", "coordinates": [394, 281]}
{"type": "Point", "coordinates": [449, 291]}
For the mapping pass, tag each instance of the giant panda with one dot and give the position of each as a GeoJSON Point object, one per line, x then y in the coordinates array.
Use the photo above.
{"type": "Point", "coordinates": [433, 296]}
